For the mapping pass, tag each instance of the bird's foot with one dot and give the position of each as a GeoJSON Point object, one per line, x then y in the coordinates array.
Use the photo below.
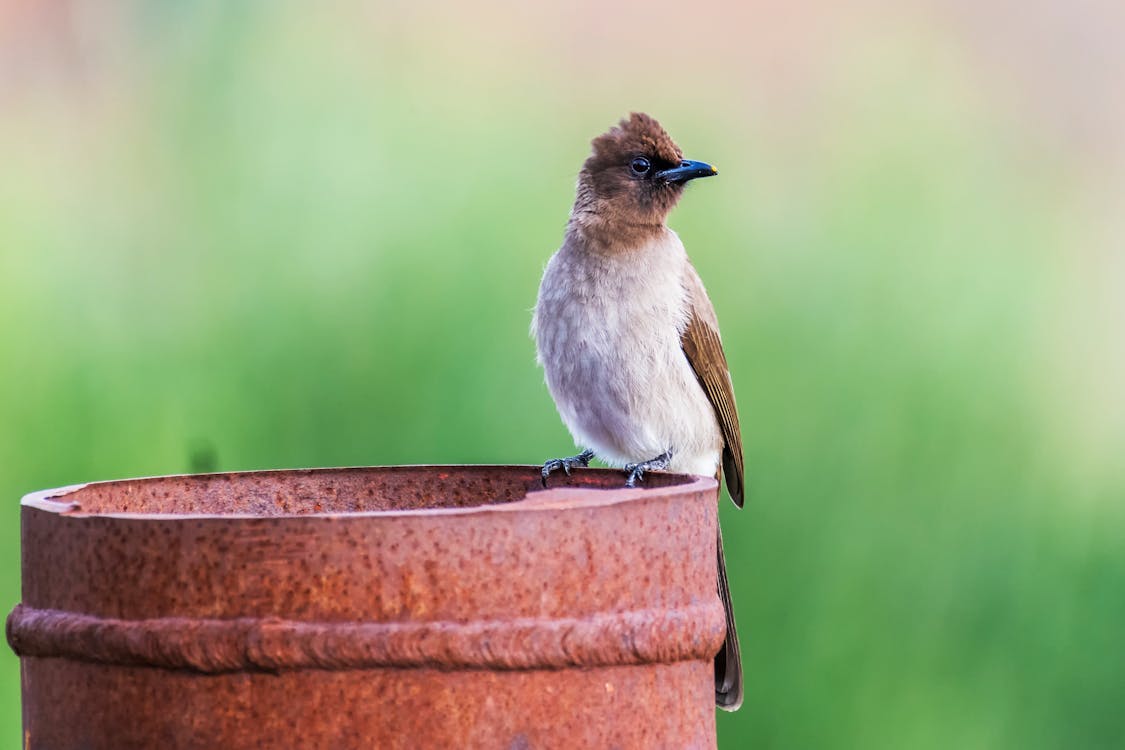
{"type": "Point", "coordinates": [566, 464]}
{"type": "Point", "coordinates": [637, 471]}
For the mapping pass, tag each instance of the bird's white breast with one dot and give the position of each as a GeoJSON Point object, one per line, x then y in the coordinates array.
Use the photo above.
{"type": "Point", "coordinates": [607, 329]}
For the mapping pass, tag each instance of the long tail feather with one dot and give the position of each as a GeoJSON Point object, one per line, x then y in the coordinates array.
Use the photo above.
{"type": "Point", "coordinates": [728, 662]}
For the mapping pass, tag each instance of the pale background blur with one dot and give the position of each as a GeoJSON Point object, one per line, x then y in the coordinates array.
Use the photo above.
{"type": "Point", "coordinates": [257, 235]}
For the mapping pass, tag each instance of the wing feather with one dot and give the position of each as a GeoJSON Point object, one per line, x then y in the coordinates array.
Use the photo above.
{"type": "Point", "coordinates": [704, 350]}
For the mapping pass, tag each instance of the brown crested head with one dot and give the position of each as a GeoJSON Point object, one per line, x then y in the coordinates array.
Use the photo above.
{"type": "Point", "coordinates": [633, 179]}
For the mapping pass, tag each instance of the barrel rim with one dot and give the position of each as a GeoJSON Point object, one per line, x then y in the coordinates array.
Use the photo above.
{"type": "Point", "coordinates": [562, 495]}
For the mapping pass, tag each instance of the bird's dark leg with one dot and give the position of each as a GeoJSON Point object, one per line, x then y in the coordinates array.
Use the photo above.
{"type": "Point", "coordinates": [566, 464]}
{"type": "Point", "coordinates": [637, 471]}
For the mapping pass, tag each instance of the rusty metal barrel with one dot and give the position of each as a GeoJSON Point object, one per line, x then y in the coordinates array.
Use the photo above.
{"type": "Point", "coordinates": [385, 607]}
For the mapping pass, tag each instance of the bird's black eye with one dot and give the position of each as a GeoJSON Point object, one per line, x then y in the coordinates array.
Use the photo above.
{"type": "Point", "coordinates": [640, 165]}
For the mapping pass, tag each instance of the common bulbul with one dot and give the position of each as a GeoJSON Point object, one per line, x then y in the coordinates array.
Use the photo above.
{"type": "Point", "coordinates": [629, 340]}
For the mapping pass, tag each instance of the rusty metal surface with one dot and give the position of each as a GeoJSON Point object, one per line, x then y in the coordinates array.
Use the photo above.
{"type": "Point", "coordinates": [383, 607]}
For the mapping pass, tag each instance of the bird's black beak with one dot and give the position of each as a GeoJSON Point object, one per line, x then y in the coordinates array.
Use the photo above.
{"type": "Point", "coordinates": [688, 170]}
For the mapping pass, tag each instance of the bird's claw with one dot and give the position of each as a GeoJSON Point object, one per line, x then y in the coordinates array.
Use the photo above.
{"type": "Point", "coordinates": [637, 471]}
{"type": "Point", "coordinates": [566, 464]}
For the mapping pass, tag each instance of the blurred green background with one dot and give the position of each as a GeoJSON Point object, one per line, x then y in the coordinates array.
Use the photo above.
{"type": "Point", "coordinates": [258, 235]}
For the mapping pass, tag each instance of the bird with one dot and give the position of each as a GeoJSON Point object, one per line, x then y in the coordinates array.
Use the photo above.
{"type": "Point", "coordinates": [629, 341]}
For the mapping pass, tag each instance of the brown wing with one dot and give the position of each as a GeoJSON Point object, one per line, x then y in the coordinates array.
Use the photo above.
{"type": "Point", "coordinates": [704, 350]}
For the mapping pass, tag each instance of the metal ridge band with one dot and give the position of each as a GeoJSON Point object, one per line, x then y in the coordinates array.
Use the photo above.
{"type": "Point", "coordinates": [213, 646]}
